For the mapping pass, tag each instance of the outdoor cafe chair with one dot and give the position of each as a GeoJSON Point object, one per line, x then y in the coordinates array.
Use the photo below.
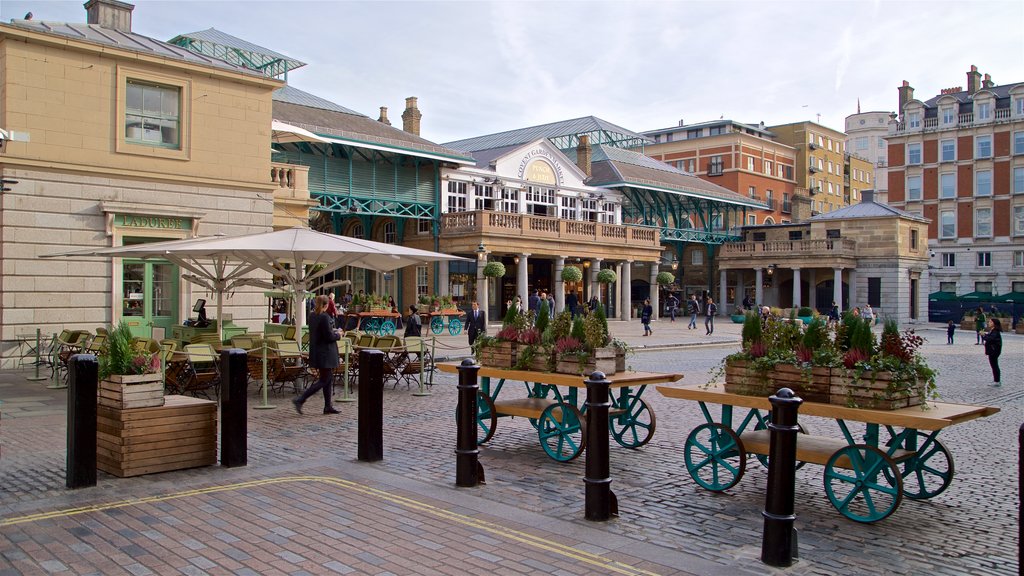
{"type": "Point", "coordinates": [285, 365]}
{"type": "Point", "coordinates": [202, 372]}
{"type": "Point", "coordinates": [417, 361]}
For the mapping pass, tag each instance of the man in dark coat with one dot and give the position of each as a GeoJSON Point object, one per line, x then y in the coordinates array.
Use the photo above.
{"type": "Point", "coordinates": [323, 354]}
{"type": "Point", "coordinates": [476, 322]}
{"type": "Point", "coordinates": [571, 302]}
{"type": "Point", "coordinates": [533, 302]}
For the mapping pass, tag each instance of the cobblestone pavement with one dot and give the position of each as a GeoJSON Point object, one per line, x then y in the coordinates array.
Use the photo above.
{"type": "Point", "coordinates": [664, 516]}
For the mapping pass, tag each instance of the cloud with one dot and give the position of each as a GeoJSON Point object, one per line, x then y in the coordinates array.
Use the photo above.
{"type": "Point", "coordinates": [845, 49]}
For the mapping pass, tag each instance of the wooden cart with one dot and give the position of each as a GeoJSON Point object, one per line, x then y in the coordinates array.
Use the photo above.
{"type": "Point", "coordinates": [865, 479]}
{"type": "Point", "coordinates": [437, 320]}
{"type": "Point", "coordinates": [559, 418]}
{"type": "Point", "coordinates": [378, 322]}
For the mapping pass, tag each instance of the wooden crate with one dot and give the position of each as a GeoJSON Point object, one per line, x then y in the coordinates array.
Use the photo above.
{"type": "Point", "coordinates": [502, 355]}
{"type": "Point", "coordinates": [875, 390]}
{"type": "Point", "coordinates": [180, 434]}
{"type": "Point", "coordinates": [136, 391]}
{"type": "Point", "coordinates": [810, 385]}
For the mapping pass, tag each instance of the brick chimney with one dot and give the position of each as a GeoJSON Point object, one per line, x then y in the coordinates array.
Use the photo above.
{"type": "Point", "coordinates": [384, 116]}
{"type": "Point", "coordinates": [110, 14]}
{"type": "Point", "coordinates": [411, 117]}
{"type": "Point", "coordinates": [973, 80]}
{"type": "Point", "coordinates": [906, 95]}
{"type": "Point", "coordinates": [583, 154]}
{"type": "Point", "coordinates": [987, 82]}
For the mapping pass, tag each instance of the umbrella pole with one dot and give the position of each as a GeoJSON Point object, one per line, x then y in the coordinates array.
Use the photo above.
{"type": "Point", "coordinates": [423, 358]}
{"type": "Point", "coordinates": [56, 384]}
{"type": "Point", "coordinates": [264, 406]}
{"type": "Point", "coordinates": [220, 314]}
{"type": "Point", "coordinates": [345, 392]}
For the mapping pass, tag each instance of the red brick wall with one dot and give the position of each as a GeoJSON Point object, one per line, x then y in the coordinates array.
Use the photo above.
{"type": "Point", "coordinates": [1001, 180]}
{"type": "Point", "coordinates": [1001, 144]}
{"type": "Point", "coordinates": [1002, 214]}
{"type": "Point", "coordinates": [931, 151]}
{"type": "Point", "coordinates": [897, 155]}
{"type": "Point", "coordinates": [897, 184]}
{"type": "Point", "coordinates": [931, 211]}
{"type": "Point", "coordinates": [965, 220]}
{"type": "Point", "coordinates": [930, 183]}
{"type": "Point", "coordinates": [965, 181]}
{"type": "Point", "coordinates": [965, 148]}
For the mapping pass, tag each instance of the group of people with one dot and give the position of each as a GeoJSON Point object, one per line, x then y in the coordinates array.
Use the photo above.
{"type": "Point", "coordinates": [693, 308]}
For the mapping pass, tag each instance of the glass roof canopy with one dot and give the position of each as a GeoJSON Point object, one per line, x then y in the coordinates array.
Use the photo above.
{"type": "Point", "coordinates": [213, 42]}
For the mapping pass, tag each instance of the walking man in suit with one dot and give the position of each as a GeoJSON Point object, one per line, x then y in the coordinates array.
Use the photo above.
{"type": "Point", "coordinates": [477, 322]}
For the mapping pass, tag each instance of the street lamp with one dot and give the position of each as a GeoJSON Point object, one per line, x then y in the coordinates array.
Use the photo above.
{"type": "Point", "coordinates": [675, 263]}
{"type": "Point", "coordinates": [481, 252]}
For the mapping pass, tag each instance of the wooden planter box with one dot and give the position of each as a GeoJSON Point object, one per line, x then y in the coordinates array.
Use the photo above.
{"type": "Point", "coordinates": [810, 385]}
{"type": "Point", "coordinates": [501, 355]}
{"type": "Point", "coordinates": [538, 363]}
{"type": "Point", "coordinates": [571, 365]}
{"type": "Point", "coordinates": [620, 360]}
{"type": "Point", "coordinates": [180, 434]}
{"type": "Point", "coordinates": [136, 391]}
{"type": "Point", "coordinates": [876, 390]}
{"type": "Point", "coordinates": [967, 324]}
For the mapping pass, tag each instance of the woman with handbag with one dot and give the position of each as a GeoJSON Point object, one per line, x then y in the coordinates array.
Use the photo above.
{"type": "Point", "coordinates": [323, 354]}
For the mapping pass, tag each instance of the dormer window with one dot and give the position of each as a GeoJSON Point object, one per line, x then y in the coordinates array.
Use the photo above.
{"type": "Point", "coordinates": [914, 120]}
{"type": "Point", "coordinates": [983, 110]}
{"type": "Point", "coordinates": [948, 115]}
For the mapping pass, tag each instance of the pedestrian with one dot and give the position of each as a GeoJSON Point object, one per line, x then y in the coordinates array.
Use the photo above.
{"type": "Point", "coordinates": [332, 310]}
{"type": "Point", "coordinates": [645, 317]}
{"type": "Point", "coordinates": [533, 302]}
{"type": "Point", "coordinates": [323, 354]}
{"type": "Point", "coordinates": [413, 324]}
{"type": "Point", "coordinates": [748, 303]}
{"type": "Point", "coordinates": [833, 313]}
{"type": "Point", "coordinates": [545, 301]}
{"type": "Point", "coordinates": [709, 316]}
{"type": "Point", "coordinates": [766, 314]}
{"type": "Point", "coordinates": [571, 301]}
{"type": "Point", "coordinates": [856, 312]}
{"type": "Point", "coordinates": [869, 314]}
{"type": "Point", "coordinates": [950, 330]}
{"type": "Point", "coordinates": [979, 324]}
{"type": "Point", "coordinates": [394, 310]}
{"type": "Point", "coordinates": [594, 303]}
{"type": "Point", "coordinates": [994, 347]}
{"type": "Point", "coordinates": [518, 304]}
{"type": "Point", "coordinates": [693, 307]}
{"type": "Point", "coordinates": [477, 322]}
{"type": "Point", "coordinates": [673, 305]}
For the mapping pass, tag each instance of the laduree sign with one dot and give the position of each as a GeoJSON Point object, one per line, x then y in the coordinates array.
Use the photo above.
{"type": "Point", "coordinates": [152, 222]}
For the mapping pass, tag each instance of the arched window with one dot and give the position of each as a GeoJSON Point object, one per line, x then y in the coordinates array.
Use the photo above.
{"type": "Point", "coordinates": [390, 234]}
{"type": "Point", "coordinates": [769, 220]}
{"type": "Point", "coordinates": [356, 231]}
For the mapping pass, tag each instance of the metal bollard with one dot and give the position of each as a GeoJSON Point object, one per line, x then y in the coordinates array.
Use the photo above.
{"type": "Point", "coordinates": [81, 457]}
{"type": "Point", "coordinates": [778, 541]}
{"type": "Point", "coordinates": [38, 361]}
{"type": "Point", "coordinates": [600, 501]}
{"type": "Point", "coordinates": [234, 380]}
{"type": "Point", "coordinates": [371, 406]}
{"type": "Point", "coordinates": [468, 470]}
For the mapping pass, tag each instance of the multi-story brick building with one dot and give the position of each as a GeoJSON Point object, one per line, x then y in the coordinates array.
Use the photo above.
{"type": "Point", "coordinates": [865, 137]}
{"type": "Point", "coordinates": [958, 160]}
{"type": "Point", "coordinates": [819, 162]}
{"type": "Point", "coordinates": [857, 177]}
{"type": "Point", "coordinates": [740, 157]}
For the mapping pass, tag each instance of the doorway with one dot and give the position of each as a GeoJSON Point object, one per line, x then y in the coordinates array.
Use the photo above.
{"type": "Point", "coordinates": [149, 296]}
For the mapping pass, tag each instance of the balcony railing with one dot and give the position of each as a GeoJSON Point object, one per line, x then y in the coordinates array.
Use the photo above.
{"type": "Point", "coordinates": [966, 119]}
{"type": "Point", "coordinates": [770, 202]}
{"type": "Point", "coordinates": [545, 228]}
{"type": "Point", "coordinates": [290, 179]}
{"type": "Point", "coordinates": [839, 247]}
{"type": "Point", "coordinates": [787, 207]}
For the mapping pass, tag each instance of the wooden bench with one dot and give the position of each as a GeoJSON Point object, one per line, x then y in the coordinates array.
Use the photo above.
{"type": "Point", "coordinates": [814, 449]}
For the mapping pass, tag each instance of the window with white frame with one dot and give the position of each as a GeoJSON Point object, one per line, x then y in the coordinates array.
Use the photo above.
{"type": "Point", "coordinates": [697, 257]}
{"type": "Point", "coordinates": [768, 167]}
{"type": "Point", "coordinates": [422, 281]}
{"type": "Point", "coordinates": [829, 165]}
{"type": "Point", "coordinates": [949, 260]}
{"type": "Point", "coordinates": [947, 224]}
{"type": "Point", "coordinates": [982, 222]}
{"type": "Point", "coordinates": [829, 142]}
{"type": "Point", "coordinates": [423, 226]}
{"type": "Point", "coordinates": [1018, 220]}
{"type": "Point", "coordinates": [1018, 180]}
{"type": "Point", "coordinates": [1018, 262]}
{"type": "Point", "coordinates": [357, 231]}
{"type": "Point", "coordinates": [152, 114]}
{"type": "Point", "coordinates": [1018, 106]}
{"type": "Point", "coordinates": [607, 212]}
{"type": "Point", "coordinates": [1018, 140]}
{"type": "Point", "coordinates": [948, 115]}
{"type": "Point", "coordinates": [691, 165]}
{"type": "Point", "coordinates": [484, 197]}
{"type": "Point", "coordinates": [985, 261]}
{"type": "Point", "coordinates": [861, 143]}
{"type": "Point", "coordinates": [821, 141]}
{"type": "Point", "coordinates": [914, 153]}
{"type": "Point", "coordinates": [456, 196]}
{"type": "Point", "coordinates": [983, 287]}
{"type": "Point", "coordinates": [810, 138]}
{"type": "Point", "coordinates": [750, 163]}
{"type": "Point", "coordinates": [567, 208]}
{"type": "Point", "coordinates": [983, 147]}
{"type": "Point", "coordinates": [948, 151]}
{"type": "Point", "coordinates": [588, 210]}
{"type": "Point", "coordinates": [984, 110]}
{"type": "Point", "coordinates": [913, 239]}
{"type": "Point", "coordinates": [540, 201]}
{"type": "Point", "coordinates": [881, 142]}
{"type": "Point", "coordinates": [947, 185]}
{"type": "Point", "coordinates": [752, 191]}
{"type": "Point", "coordinates": [509, 201]}
{"type": "Point", "coordinates": [914, 120]}
{"type": "Point", "coordinates": [390, 233]}
{"type": "Point", "coordinates": [715, 165]}
{"type": "Point", "coordinates": [830, 189]}
{"type": "Point", "coordinates": [913, 187]}
{"type": "Point", "coordinates": [751, 220]}
{"type": "Point", "coordinates": [983, 183]}
{"type": "Point", "coordinates": [821, 164]}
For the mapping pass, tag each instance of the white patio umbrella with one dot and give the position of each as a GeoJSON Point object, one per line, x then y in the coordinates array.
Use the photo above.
{"type": "Point", "coordinates": [299, 255]}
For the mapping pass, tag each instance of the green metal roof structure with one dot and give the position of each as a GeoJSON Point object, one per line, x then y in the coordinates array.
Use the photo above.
{"type": "Point", "coordinates": [213, 42]}
{"type": "Point", "coordinates": [563, 134]}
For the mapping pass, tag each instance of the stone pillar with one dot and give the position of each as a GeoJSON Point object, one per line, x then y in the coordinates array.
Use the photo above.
{"type": "Point", "coordinates": [796, 288]}
{"type": "Point", "coordinates": [851, 279]}
{"type": "Point", "coordinates": [812, 285]}
{"type": "Point", "coordinates": [722, 291]}
{"type": "Point", "coordinates": [741, 289]}
{"type": "Point", "coordinates": [595, 265]}
{"type": "Point", "coordinates": [655, 295]}
{"type": "Point", "coordinates": [559, 285]}
{"type": "Point", "coordinates": [837, 287]}
{"type": "Point", "coordinates": [522, 280]}
{"type": "Point", "coordinates": [758, 286]}
{"type": "Point", "coordinates": [625, 279]}
{"type": "Point", "coordinates": [442, 280]}
{"type": "Point", "coordinates": [618, 285]}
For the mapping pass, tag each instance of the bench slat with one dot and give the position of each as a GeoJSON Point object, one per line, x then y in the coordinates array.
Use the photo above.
{"type": "Point", "coordinates": [814, 449]}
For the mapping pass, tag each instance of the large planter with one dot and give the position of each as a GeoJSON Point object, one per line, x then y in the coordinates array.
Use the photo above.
{"type": "Point", "coordinates": [876, 390]}
{"type": "Point", "coordinates": [499, 355]}
{"type": "Point", "coordinates": [620, 360]}
{"type": "Point", "coordinates": [134, 391]}
{"type": "Point", "coordinates": [810, 384]}
{"type": "Point", "coordinates": [572, 365]}
{"type": "Point", "coordinates": [1020, 327]}
{"type": "Point", "coordinates": [806, 319]}
{"type": "Point", "coordinates": [602, 360]}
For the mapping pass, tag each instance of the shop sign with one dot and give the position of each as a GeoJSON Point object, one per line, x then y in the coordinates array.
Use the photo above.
{"type": "Point", "coordinates": [531, 167]}
{"type": "Point", "coordinates": [152, 222]}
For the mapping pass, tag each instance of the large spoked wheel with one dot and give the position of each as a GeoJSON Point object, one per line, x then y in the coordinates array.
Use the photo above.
{"type": "Point", "coordinates": [387, 327]}
{"type": "Point", "coordinates": [560, 428]}
{"type": "Point", "coordinates": [437, 324]}
{"type": "Point", "coordinates": [373, 325]}
{"type": "Point", "coordinates": [634, 427]}
{"type": "Point", "coordinates": [714, 457]}
{"type": "Point", "coordinates": [863, 483]}
{"type": "Point", "coordinates": [486, 417]}
{"type": "Point", "coordinates": [929, 472]}
{"type": "Point", "coordinates": [454, 326]}
{"type": "Point", "coordinates": [763, 459]}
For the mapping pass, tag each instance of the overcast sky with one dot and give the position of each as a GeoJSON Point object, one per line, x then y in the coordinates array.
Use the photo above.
{"type": "Point", "coordinates": [485, 67]}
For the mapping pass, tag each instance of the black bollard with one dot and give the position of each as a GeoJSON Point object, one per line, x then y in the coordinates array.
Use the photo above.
{"type": "Point", "coordinates": [82, 390]}
{"type": "Point", "coordinates": [778, 542]}
{"type": "Point", "coordinates": [371, 406]}
{"type": "Point", "coordinates": [234, 382]}
{"type": "Point", "coordinates": [468, 470]}
{"type": "Point", "coordinates": [600, 501]}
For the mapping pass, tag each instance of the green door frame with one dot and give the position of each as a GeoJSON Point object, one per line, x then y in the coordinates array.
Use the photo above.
{"type": "Point", "coordinates": [143, 314]}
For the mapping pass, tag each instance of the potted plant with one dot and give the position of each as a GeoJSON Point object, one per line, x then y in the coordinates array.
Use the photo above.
{"type": "Point", "coordinates": [805, 314]}
{"type": "Point", "coordinates": [129, 377]}
{"type": "Point", "coordinates": [606, 276]}
{"type": "Point", "coordinates": [572, 274]}
{"type": "Point", "coordinates": [665, 278]}
{"type": "Point", "coordinates": [500, 350]}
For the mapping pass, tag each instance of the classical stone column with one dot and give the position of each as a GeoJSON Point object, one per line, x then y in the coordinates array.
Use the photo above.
{"type": "Point", "coordinates": [595, 266]}
{"type": "Point", "coordinates": [522, 280]}
{"type": "Point", "coordinates": [796, 288]}
{"type": "Point", "coordinates": [625, 280]}
{"type": "Point", "coordinates": [655, 295]}
{"type": "Point", "coordinates": [812, 287]}
{"type": "Point", "coordinates": [759, 286]}
{"type": "Point", "coordinates": [851, 280]}
{"type": "Point", "coordinates": [559, 285]}
{"type": "Point", "coordinates": [722, 291]}
{"type": "Point", "coordinates": [837, 287]}
{"type": "Point", "coordinates": [442, 279]}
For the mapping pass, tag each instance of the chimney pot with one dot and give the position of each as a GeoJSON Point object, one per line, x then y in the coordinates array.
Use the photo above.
{"type": "Point", "coordinates": [411, 117]}
{"type": "Point", "coordinates": [681, 122]}
{"type": "Point", "coordinates": [383, 119]}
{"type": "Point", "coordinates": [987, 82]}
{"type": "Point", "coordinates": [973, 80]}
{"type": "Point", "coordinates": [583, 154]}
{"type": "Point", "coordinates": [110, 14]}
{"type": "Point", "coordinates": [906, 92]}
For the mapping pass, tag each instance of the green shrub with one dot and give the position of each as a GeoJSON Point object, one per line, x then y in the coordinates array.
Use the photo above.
{"type": "Point", "coordinates": [805, 311]}
{"type": "Point", "coordinates": [751, 329]}
{"type": "Point", "coordinates": [542, 317]}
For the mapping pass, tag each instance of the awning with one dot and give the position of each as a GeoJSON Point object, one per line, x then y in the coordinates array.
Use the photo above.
{"type": "Point", "coordinates": [942, 296]}
{"type": "Point", "coordinates": [1013, 297]}
{"type": "Point", "coordinates": [286, 133]}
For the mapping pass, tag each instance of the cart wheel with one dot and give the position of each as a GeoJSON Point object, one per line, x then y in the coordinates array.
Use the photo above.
{"type": "Point", "coordinates": [437, 324]}
{"type": "Point", "coordinates": [714, 457]}
{"type": "Point", "coordinates": [635, 427]}
{"type": "Point", "coordinates": [764, 459]}
{"type": "Point", "coordinates": [486, 417]}
{"type": "Point", "coordinates": [929, 472]}
{"type": "Point", "coordinates": [560, 428]}
{"type": "Point", "coordinates": [373, 326]}
{"type": "Point", "coordinates": [454, 326]}
{"type": "Point", "coordinates": [863, 483]}
{"type": "Point", "coordinates": [387, 327]}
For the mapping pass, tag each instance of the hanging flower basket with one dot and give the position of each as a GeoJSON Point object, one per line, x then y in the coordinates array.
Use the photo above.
{"type": "Point", "coordinates": [494, 269]}
{"type": "Point", "coordinates": [572, 274]}
{"type": "Point", "coordinates": [665, 278]}
{"type": "Point", "coordinates": [606, 276]}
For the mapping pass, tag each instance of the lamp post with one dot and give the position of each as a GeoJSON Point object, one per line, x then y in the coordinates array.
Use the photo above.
{"type": "Point", "coordinates": [481, 280]}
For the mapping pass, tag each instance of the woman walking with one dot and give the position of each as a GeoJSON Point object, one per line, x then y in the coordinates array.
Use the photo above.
{"type": "Point", "coordinates": [323, 354]}
{"type": "Point", "coordinates": [994, 347]}
{"type": "Point", "coordinates": [645, 317]}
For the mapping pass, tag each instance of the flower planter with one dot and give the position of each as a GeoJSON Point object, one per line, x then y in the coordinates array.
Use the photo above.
{"type": "Point", "coordinates": [602, 360]}
{"type": "Point", "coordinates": [738, 318]}
{"type": "Point", "coordinates": [811, 385]}
{"type": "Point", "coordinates": [572, 365]}
{"type": "Point", "coordinates": [500, 355]}
{"type": "Point", "coordinates": [620, 360]}
{"type": "Point", "coordinates": [135, 391]}
{"type": "Point", "coordinates": [876, 390]}
{"type": "Point", "coordinates": [967, 323]}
